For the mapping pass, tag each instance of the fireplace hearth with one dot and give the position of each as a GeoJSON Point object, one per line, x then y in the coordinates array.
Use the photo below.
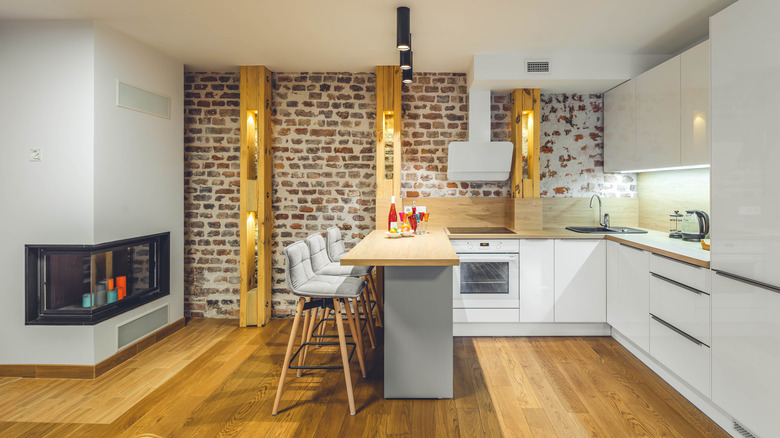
{"type": "Point", "coordinates": [88, 284]}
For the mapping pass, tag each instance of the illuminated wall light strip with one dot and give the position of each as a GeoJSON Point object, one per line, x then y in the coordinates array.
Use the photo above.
{"type": "Point", "coordinates": [660, 169]}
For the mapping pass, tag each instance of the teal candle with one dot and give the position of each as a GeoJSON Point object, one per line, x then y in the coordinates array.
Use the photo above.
{"type": "Point", "coordinates": [86, 300]}
{"type": "Point", "coordinates": [112, 296]}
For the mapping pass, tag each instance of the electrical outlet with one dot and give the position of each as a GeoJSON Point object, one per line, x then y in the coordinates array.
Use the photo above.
{"type": "Point", "coordinates": [35, 155]}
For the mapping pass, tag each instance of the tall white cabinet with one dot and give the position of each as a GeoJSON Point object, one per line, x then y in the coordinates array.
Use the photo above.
{"type": "Point", "coordinates": [744, 41]}
{"type": "Point", "coordinates": [695, 105]}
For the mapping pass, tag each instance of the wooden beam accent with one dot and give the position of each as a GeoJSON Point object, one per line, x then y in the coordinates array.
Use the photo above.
{"type": "Point", "coordinates": [388, 111]}
{"type": "Point", "coordinates": [525, 123]}
{"type": "Point", "coordinates": [255, 192]}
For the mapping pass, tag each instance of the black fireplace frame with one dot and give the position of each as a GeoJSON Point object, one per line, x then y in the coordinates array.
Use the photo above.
{"type": "Point", "coordinates": [34, 287]}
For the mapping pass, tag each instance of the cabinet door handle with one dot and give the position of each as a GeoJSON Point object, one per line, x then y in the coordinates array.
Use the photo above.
{"type": "Point", "coordinates": [678, 284]}
{"type": "Point", "coordinates": [679, 332]}
{"type": "Point", "coordinates": [768, 287]}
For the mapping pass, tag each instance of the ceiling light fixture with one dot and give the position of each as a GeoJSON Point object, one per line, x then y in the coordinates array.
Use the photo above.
{"type": "Point", "coordinates": [403, 29]}
{"type": "Point", "coordinates": [406, 60]}
{"type": "Point", "coordinates": [406, 76]}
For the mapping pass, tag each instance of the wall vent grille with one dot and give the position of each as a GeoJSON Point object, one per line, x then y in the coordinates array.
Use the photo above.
{"type": "Point", "coordinates": [537, 66]}
{"type": "Point", "coordinates": [742, 431]}
{"type": "Point", "coordinates": [139, 327]}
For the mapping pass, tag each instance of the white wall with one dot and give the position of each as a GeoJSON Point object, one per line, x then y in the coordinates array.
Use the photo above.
{"type": "Point", "coordinates": [107, 173]}
{"type": "Point", "coordinates": [46, 69]}
{"type": "Point", "coordinates": [139, 163]}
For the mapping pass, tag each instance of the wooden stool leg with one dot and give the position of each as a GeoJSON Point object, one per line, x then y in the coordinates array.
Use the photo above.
{"type": "Point", "coordinates": [304, 332]}
{"type": "Point", "coordinates": [372, 295]}
{"type": "Point", "coordinates": [310, 334]}
{"type": "Point", "coordinates": [344, 356]}
{"type": "Point", "coordinates": [325, 314]}
{"type": "Point", "coordinates": [355, 335]}
{"type": "Point", "coordinates": [367, 312]}
{"type": "Point", "coordinates": [380, 300]}
{"type": "Point", "coordinates": [288, 354]}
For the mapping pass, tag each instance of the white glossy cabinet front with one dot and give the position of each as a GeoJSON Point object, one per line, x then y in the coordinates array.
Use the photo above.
{"type": "Point", "coordinates": [658, 116]}
{"type": "Point", "coordinates": [744, 40]}
{"type": "Point", "coordinates": [632, 315]}
{"type": "Point", "coordinates": [619, 135]}
{"type": "Point", "coordinates": [537, 280]}
{"type": "Point", "coordinates": [695, 105]}
{"type": "Point", "coordinates": [688, 359]}
{"type": "Point", "coordinates": [746, 353]}
{"type": "Point", "coordinates": [580, 281]}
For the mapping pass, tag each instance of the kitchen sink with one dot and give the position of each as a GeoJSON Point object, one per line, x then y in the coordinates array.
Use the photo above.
{"type": "Point", "coordinates": [607, 230]}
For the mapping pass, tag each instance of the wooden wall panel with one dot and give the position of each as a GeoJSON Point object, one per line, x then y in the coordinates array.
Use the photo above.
{"type": "Point", "coordinates": [660, 193]}
{"type": "Point", "coordinates": [564, 212]}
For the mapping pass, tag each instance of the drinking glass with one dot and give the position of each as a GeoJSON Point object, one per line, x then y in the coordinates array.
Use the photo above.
{"type": "Point", "coordinates": [425, 218]}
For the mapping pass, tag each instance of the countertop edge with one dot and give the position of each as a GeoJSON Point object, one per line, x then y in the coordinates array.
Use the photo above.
{"type": "Point", "coordinates": [659, 251]}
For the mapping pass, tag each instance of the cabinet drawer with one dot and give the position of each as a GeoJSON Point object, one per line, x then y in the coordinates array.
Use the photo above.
{"type": "Point", "coordinates": [689, 275]}
{"type": "Point", "coordinates": [689, 360]}
{"type": "Point", "coordinates": [682, 306]}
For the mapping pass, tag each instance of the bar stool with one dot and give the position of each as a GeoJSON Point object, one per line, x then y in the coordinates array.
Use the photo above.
{"type": "Point", "coordinates": [315, 291]}
{"type": "Point", "coordinates": [336, 250]}
{"type": "Point", "coordinates": [322, 265]}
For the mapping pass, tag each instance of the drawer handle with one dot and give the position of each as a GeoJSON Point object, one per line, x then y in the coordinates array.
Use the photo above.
{"type": "Point", "coordinates": [678, 284]}
{"type": "Point", "coordinates": [679, 332]}
{"type": "Point", "coordinates": [768, 287]}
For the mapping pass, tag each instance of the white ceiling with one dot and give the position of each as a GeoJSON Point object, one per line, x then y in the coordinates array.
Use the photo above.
{"type": "Point", "coordinates": [356, 35]}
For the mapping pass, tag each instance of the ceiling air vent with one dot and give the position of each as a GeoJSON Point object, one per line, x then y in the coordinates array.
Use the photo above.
{"type": "Point", "coordinates": [537, 66]}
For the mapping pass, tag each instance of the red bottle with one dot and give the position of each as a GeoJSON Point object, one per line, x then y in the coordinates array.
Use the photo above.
{"type": "Point", "coordinates": [413, 217]}
{"type": "Point", "coordinates": [392, 221]}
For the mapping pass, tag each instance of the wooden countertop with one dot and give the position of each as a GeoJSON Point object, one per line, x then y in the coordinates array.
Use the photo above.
{"type": "Point", "coordinates": [654, 241]}
{"type": "Point", "coordinates": [432, 249]}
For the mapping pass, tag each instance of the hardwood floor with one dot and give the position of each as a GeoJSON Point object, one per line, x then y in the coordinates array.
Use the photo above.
{"type": "Point", "coordinates": [213, 378]}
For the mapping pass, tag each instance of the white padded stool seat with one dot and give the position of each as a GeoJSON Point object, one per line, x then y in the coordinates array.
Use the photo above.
{"type": "Point", "coordinates": [322, 263]}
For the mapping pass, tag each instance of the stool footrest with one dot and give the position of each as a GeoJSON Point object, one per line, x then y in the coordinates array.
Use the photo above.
{"type": "Point", "coordinates": [320, 367]}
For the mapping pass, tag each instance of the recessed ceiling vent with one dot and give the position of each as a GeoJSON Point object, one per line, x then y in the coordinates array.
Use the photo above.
{"type": "Point", "coordinates": [537, 66]}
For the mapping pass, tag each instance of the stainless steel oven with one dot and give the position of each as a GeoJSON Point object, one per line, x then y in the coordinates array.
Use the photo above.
{"type": "Point", "coordinates": [487, 277]}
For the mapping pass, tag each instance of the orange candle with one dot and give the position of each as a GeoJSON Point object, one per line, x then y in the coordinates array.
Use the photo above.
{"type": "Point", "coordinates": [110, 283]}
{"type": "Point", "coordinates": [121, 284]}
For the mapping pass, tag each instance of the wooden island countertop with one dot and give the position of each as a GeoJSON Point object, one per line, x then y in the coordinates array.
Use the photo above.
{"type": "Point", "coordinates": [432, 249]}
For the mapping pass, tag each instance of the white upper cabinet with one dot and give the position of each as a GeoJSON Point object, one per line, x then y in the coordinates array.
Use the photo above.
{"type": "Point", "coordinates": [580, 280]}
{"type": "Point", "coordinates": [658, 116]}
{"type": "Point", "coordinates": [619, 133]}
{"type": "Point", "coordinates": [695, 109]}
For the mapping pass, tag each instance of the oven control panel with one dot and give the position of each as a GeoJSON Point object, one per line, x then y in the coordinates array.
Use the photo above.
{"type": "Point", "coordinates": [486, 245]}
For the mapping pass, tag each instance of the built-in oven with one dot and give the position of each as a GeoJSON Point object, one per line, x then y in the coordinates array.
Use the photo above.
{"type": "Point", "coordinates": [488, 274]}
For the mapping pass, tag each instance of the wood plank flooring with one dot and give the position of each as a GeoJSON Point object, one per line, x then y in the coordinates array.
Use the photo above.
{"type": "Point", "coordinates": [213, 378]}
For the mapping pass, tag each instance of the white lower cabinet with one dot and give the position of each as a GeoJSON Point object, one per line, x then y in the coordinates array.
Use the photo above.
{"type": "Point", "coordinates": [537, 280]}
{"type": "Point", "coordinates": [580, 280]}
{"type": "Point", "coordinates": [681, 353]}
{"type": "Point", "coordinates": [632, 306]}
{"type": "Point", "coordinates": [685, 307]}
{"type": "Point", "coordinates": [746, 353]}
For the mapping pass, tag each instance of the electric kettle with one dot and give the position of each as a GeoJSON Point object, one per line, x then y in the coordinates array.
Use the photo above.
{"type": "Point", "coordinates": [695, 225]}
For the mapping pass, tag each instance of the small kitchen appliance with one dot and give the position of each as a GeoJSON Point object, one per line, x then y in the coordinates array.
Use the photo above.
{"type": "Point", "coordinates": [674, 227]}
{"type": "Point", "coordinates": [695, 225]}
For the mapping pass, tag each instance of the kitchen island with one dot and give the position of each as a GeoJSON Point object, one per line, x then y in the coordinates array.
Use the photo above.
{"type": "Point", "coordinates": [418, 310]}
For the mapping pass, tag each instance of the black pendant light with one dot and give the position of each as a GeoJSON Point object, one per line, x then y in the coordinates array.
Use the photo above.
{"type": "Point", "coordinates": [403, 30]}
{"type": "Point", "coordinates": [406, 76]}
{"type": "Point", "coordinates": [406, 60]}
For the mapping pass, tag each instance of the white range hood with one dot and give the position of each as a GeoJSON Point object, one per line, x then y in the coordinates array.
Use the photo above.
{"type": "Point", "coordinates": [479, 159]}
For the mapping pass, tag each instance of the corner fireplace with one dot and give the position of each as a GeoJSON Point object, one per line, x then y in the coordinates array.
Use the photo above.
{"type": "Point", "coordinates": [87, 284]}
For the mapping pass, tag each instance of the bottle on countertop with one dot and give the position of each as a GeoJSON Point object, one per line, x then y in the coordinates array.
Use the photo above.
{"type": "Point", "coordinates": [392, 221]}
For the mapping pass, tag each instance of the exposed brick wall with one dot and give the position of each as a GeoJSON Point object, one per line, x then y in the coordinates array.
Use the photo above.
{"type": "Point", "coordinates": [324, 162]}
{"type": "Point", "coordinates": [324, 170]}
{"type": "Point", "coordinates": [572, 149]}
{"type": "Point", "coordinates": [211, 199]}
{"type": "Point", "coordinates": [435, 112]}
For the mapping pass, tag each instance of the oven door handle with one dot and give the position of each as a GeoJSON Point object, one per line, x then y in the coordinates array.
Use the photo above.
{"type": "Point", "coordinates": [488, 259]}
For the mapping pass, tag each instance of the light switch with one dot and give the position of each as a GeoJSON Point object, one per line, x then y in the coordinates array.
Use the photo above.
{"type": "Point", "coordinates": [35, 155]}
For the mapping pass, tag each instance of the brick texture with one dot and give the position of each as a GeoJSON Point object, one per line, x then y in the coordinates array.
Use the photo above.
{"type": "Point", "coordinates": [211, 198]}
{"type": "Point", "coordinates": [324, 170]}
